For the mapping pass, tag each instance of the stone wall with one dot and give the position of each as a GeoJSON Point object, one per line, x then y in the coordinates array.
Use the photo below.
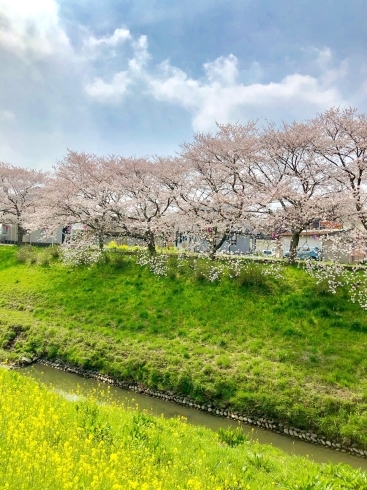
{"type": "Point", "coordinates": [263, 422]}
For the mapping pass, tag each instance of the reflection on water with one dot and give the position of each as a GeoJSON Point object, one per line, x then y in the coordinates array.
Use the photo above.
{"type": "Point", "coordinates": [74, 388]}
{"type": "Point", "coordinates": [72, 397]}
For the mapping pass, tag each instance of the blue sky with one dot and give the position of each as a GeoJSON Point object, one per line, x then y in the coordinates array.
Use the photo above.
{"type": "Point", "coordinates": [138, 77]}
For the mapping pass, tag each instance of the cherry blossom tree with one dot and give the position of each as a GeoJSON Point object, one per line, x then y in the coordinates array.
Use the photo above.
{"type": "Point", "coordinates": [109, 195]}
{"type": "Point", "coordinates": [342, 143]}
{"type": "Point", "coordinates": [20, 189]}
{"type": "Point", "coordinates": [299, 188]}
{"type": "Point", "coordinates": [218, 193]}
{"type": "Point", "coordinates": [148, 190]}
{"type": "Point", "coordinates": [82, 191]}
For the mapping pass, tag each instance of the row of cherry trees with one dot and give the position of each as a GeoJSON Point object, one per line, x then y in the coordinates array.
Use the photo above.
{"type": "Point", "coordinates": [267, 179]}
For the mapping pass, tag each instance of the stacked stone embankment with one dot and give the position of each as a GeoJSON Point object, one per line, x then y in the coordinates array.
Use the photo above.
{"type": "Point", "coordinates": [263, 422]}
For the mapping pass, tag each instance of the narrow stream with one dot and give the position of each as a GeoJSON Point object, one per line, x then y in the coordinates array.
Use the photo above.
{"type": "Point", "coordinates": [69, 384]}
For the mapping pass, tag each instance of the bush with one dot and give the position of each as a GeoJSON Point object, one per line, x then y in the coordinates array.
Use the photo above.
{"type": "Point", "coordinates": [81, 250]}
{"type": "Point", "coordinates": [30, 254]}
{"type": "Point", "coordinates": [54, 251]}
{"type": "Point", "coordinates": [252, 276]}
{"type": "Point", "coordinates": [27, 254]}
{"type": "Point", "coordinates": [113, 246]}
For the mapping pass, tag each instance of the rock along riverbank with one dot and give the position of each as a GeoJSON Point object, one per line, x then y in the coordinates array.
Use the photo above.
{"type": "Point", "coordinates": [263, 422]}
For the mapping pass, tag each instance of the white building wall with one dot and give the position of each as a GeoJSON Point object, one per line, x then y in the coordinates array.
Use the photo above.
{"type": "Point", "coordinates": [9, 234]}
{"type": "Point", "coordinates": [37, 237]}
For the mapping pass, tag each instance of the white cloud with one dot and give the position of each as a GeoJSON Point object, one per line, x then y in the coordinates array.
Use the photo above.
{"type": "Point", "coordinates": [115, 90]}
{"type": "Point", "coordinates": [211, 101]}
{"type": "Point", "coordinates": [109, 92]}
{"type": "Point", "coordinates": [222, 71]}
{"type": "Point", "coordinates": [221, 93]}
{"type": "Point", "coordinates": [141, 55]}
{"type": "Point", "coordinates": [119, 36]}
{"type": "Point", "coordinates": [94, 47]}
{"type": "Point", "coordinates": [32, 30]}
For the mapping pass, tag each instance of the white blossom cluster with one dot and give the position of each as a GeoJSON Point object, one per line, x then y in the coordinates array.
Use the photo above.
{"type": "Point", "coordinates": [157, 263]}
{"type": "Point", "coordinates": [80, 250]}
{"type": "Point", "coordinates": [236, 265]}
{"type": "Point", "coordinates": [273, 269]}
{"type": "Point", "coordinates": [330, 274]}
{"type": "Point", "coordinates": [333, 273]}
{"type": "Point", "coordinates": [216, 272]}
{"type": "Point", "coordinates": [357, 282]}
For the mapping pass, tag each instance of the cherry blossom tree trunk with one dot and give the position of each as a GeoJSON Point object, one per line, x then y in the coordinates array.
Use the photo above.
{"type": "Point", "coordinates": [21, 233]}
{"type": "Point", "coordinates": [150, 241]}
{"type": "Point", "coordinates": [213, 248]}
{"type": "Point", "coordinates": [293, 246]}
{"type": "Point", "coordinates": [215, 245]}
{"type": "Point", "coordinates": [100, 240]}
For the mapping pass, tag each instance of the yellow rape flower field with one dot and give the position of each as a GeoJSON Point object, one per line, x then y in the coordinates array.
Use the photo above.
{"type": "Point", "coordinates": [48, 442]}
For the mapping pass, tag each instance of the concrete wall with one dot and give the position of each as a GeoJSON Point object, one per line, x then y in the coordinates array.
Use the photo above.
{"type": "Point", "coordinates": [241, 244]}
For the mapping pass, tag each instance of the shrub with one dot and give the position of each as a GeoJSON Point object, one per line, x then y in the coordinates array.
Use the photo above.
{"type": "Point", "coordinates": [81, 250]}
{"type": "Point", "coordinates": [27, 254]}
{"type": "Point", "coordinates": [112, 245]}
{"type": "Point", "coordinates": [252, 276]}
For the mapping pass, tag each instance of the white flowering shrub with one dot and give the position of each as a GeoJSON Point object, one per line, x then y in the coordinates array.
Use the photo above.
{"type": "Point", "coordinates": [273, 269]}
{"type": "Point", "coordinates": [239, 268]}
{"type": "Point", "coordinates": [333, 275]}
{"type": "Point", "coordinates": [157, 263]}
{"type": "Point", "coordinates": [216, 272]}
{"type": "Point", "coordinates": [80, 250]}
{"type": "Point", "coordinates": [356, 279]}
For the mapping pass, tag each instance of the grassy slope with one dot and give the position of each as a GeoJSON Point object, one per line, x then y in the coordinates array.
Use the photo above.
{"type": "Point", "coordinates": [286, 350]}
{"type": "Point", "coordinates": [47, 441]}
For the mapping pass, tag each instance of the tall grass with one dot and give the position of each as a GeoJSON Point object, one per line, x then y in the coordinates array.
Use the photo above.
{"type": "Point", "coordinates": [34, 255]}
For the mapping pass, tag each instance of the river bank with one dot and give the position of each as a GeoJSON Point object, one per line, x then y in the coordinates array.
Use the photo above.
{"type": "Point", "coordinates": [74, 387]}
{"type": "Point", "coordinates": [261, 422]}
{"type": "Point", "coordinates": [283, 353]}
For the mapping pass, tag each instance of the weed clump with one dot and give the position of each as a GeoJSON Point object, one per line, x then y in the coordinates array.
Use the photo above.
{"type": "Point", "coordinates": [232, 437]}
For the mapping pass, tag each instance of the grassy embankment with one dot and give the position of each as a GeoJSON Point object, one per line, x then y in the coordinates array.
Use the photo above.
{"type": "Point", "coordinates": [281, 348]}
{"type": "Point", "coordinates": [49, 442]}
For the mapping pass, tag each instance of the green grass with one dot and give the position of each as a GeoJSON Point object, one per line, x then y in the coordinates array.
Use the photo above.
{"type": "Point", "coordinates": [49, 442]}
{"type": "Point", "coordinates": [283, 348]}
